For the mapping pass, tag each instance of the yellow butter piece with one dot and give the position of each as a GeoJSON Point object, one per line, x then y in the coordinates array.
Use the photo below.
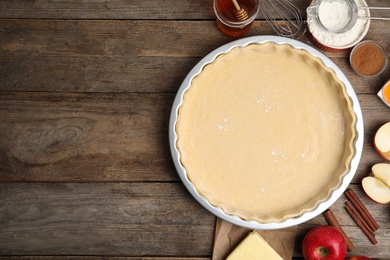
{"type": "Point", "coordinates": [254, 247]}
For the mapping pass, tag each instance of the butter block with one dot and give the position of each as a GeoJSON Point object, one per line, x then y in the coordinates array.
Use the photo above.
{"type": "Point", "coordinates": [254, 247]}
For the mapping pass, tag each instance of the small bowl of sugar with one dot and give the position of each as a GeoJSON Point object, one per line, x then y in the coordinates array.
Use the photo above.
{"type": "Point", "coordinates": [324, 25]}
{"type": "Point", "coordinates": [368, 59]}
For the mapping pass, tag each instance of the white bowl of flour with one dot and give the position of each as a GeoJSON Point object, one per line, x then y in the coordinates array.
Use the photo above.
{"type": "Point", "coordinates": [330, 41]}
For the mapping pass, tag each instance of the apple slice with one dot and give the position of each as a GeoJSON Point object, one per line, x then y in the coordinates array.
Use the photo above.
{"type": "Point", "coordinates": [382, 141]}
{"type": "Point", "coordinates": [377, 185]}
{"type": "Point", "coordinates": [382, 172]}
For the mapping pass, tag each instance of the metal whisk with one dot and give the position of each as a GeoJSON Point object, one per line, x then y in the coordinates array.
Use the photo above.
{"type": "Point", "coordinates": [284, 17]}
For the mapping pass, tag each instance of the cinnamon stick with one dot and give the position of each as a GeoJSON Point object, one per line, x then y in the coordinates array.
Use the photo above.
{"type": "Point", "coordinates": [358, 222]}
{"type": "Point", "coordinates": [362, 209]}
{"type": "Point", "coordinates": [364, 222]}
{"type": "Point", "coordinates": [331, 218]}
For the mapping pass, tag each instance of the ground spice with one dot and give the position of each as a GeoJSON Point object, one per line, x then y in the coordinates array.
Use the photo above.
{"type": "Point", "coordinates": [368, 59]}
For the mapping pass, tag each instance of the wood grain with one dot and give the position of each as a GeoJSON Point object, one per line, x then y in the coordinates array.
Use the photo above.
{"type": "Point", "coordinates": [135, 9]}
{"type": "Point", "coordinates": [126, 219]}
{"type": "Point", "coordinates": [86, 89]}
{"type": "Point", "coordinates": [85, 137]}
{"type": "Point", "coordinates": [102, 258]}
{"type": "Point", "coordinates": [125, 56]}
{"type": "Point", "coordinates": [92, 219]}
{"type": "Point", "coordinates": [97, 9]}
{"type": "Point", "coordinates": [108, 137]}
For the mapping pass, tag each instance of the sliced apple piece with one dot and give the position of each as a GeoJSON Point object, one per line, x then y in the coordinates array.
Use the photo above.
{"type": "Point", "coordinates": [376, 190]}
{"type": "Point", "coordinates": [382, 172]}
{"type": "Point", "coordinates": [377, 186]}
{"type": "Point", "coordinates": [382, 141]}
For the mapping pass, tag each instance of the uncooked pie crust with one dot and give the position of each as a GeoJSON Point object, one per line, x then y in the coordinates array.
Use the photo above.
{"type": "Point", "coordinates": [265, 132]}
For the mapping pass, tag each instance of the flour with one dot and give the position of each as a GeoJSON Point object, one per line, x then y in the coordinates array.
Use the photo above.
{"type": "Point", "coordinates": [334, 15]}
{"type": "Point", "coordinates": [332, 18]}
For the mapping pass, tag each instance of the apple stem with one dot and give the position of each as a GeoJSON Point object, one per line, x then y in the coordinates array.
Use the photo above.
{"type": "Point", "coordinates": [322, 251]}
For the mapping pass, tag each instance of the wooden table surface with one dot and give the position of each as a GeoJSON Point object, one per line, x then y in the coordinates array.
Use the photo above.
{"type": "Point", "coordinates": [86, 89]}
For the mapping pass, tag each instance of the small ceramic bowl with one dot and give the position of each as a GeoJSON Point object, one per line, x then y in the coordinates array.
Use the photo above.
{"type": "Point", "coordinates": [334, 42]}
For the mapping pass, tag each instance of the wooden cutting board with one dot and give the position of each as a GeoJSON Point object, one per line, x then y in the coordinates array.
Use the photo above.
{"type": "Point", "coordinates": [228, 236]}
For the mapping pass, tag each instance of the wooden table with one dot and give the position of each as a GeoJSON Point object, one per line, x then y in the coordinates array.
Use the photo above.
{"type": "Point", "coordinates": [86, 89]}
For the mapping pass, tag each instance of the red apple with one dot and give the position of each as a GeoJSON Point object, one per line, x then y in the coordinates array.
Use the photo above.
{"type": "Point", "coordinates": [382, 141]}
{"type": "Point", "coordinates": [377, 185]}
{"type": "Point", "coordinates": [359, 257]}
{"type": "Point", "coordinates": [324, 243]}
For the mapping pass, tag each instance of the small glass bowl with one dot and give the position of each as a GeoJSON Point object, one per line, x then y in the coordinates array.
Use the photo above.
{"type": "Point", "coordinates": [359, 56]}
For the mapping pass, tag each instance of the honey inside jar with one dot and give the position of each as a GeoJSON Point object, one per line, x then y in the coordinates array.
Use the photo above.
{"type": "Point", "coordinates": [226, 16]}
{"type": "Point", "coordinates": [228, 10]}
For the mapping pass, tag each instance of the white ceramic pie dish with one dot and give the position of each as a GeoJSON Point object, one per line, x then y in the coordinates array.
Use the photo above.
{"type": "Point", "coordinates": [322, 206]}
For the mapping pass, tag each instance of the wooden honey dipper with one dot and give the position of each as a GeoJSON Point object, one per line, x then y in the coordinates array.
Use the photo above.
{"type": "Point", "coordinates": [241, 13]}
